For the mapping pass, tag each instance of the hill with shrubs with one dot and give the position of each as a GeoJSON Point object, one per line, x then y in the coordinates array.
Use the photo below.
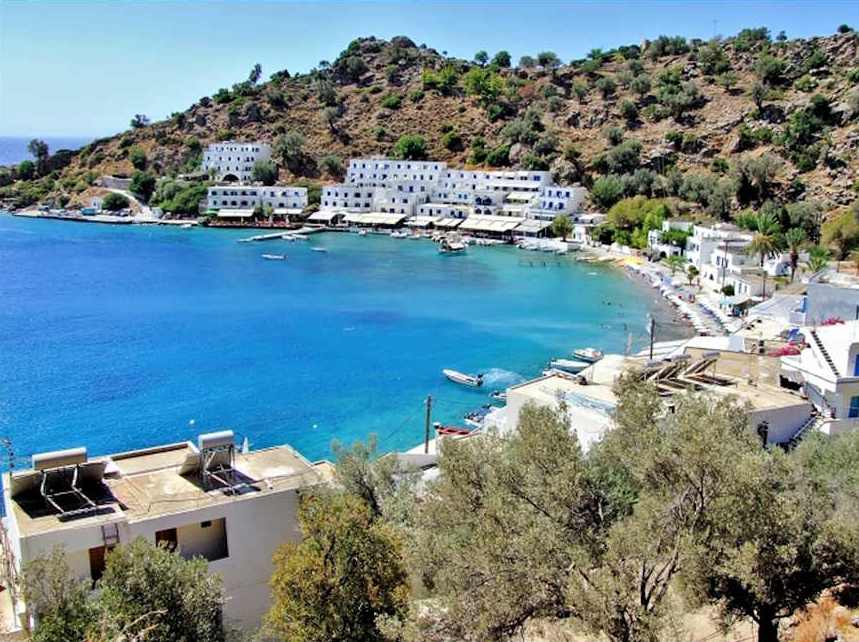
{"type": "Point", "coordinates": [714, 127]}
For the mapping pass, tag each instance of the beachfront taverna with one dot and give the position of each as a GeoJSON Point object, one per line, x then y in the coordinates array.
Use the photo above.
{"type": "Point", "coordinates": [206, 499]}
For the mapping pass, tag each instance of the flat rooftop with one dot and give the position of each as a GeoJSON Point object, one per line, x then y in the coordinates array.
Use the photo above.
{"type": "Point", "coordinates": [149, 483]}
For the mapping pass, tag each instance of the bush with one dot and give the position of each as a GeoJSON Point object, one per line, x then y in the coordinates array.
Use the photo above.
{"type": "Point", "coordinates": [499, 157]}
{"type": "Point", "coordinates": [265, 172]}
{"type": "Point", "coordinates": [392, 101]}
{"type": "Point", "coordinates": [114, 202]}
{"type": "Point", "coordinates": [411, 147]}
{"type": "Point", "coordinates": [606, 191]}
{"type": "Point", "coordinates": [769, 69]}
{"type": "Point", "coordinates": [749, 39]}
{"type": "Point", "coordinates": [26, 170]}
{"type": "Point", "coordinates": [142, 185]}
{"type": "Point", "coordinates": [501, 59]}
{"type": "Point", "coordinates": [332, 165]}
{"type": "Point", "coordinates": [606, 86]}
{"type": "Point", "coordinates": [137, 158]}
{"type": "Point", "coordinates": [416, 96]}
{"type": "Point", "coordinates": [222, 96]}
{"type": "Point", "coordinates": [629, 111]}
{"type": "Point", "coordinates": [444, 81]}
{"type": "Point", "coordinates": [452, 141]}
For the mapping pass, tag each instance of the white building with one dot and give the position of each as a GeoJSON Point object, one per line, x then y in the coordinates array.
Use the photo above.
{"type": "Point", "coordinates": [827, 369]}
{"type": "Point", "coordinates": [432, 191]}
{"type": "Point", "coordinates": [661, 248]}
{"type": "Point", "coordinates": [239, 201]}
{"type": "Point", "coordinates": [234, 161]}
{"type": "Point", "coordinates": [234, 509]}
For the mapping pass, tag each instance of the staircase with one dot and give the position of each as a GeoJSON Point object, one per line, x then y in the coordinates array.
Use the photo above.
{"type": "Point", "coordinates": [824, 352]}
{"type": "Point", "coordinates": [813, 423]}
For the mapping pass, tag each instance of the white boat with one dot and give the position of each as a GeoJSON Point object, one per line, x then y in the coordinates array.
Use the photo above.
{"type": "Point", "coordinates": [187, 226]}
{"type": "Point", "coordinates": [462, 378]}
{"type": "Point", "coordinates": [399, 234]}
{"type": "Point", "coordinates": [451, 246]}
{"type": "Point", "coordinates": [568, 365]}
{"type": "Point", "coordinates": [319, 249]}
{"type": "Point", "coordinates": [591, 355]}
{"type": "Point", "coordinates": [362, 232]}
{"type": "Point", "coordinates": [274, 257]}
{"type": "Point", "coordinates": [498, 395]}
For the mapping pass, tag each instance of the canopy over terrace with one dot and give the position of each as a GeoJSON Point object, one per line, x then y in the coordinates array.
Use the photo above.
{"type": "Point", "coordinates": [376, 219]}
{"type": "Point", "coordinates": [422, 221]}
{"type": "Point", "coordinates": [233, 213]}
{"type": "Point", "coordinates": [325, 216]}
{"type": "Point", "coordinates": [449, 223]}
{"type": "Point", "coordinates": [520, 197]}
{"type": "Point", "coordinates": [532, 227]}
{"type": "Point", "coordinates": [497, 225]}
{"type": "Point", "coordinates": [288, 211]}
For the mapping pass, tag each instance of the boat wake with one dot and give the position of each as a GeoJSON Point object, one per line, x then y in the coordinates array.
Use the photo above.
{"type": "Point", "coordinates": [500, 378]}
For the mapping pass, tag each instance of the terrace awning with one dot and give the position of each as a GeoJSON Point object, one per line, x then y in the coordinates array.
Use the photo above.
{"type": "Point", "coordinates": [287, 211]}
{"type": "Point", "coordinates": [375, 218]}
{"type": "Point", "coordinates": [522, 197]}
{"type": "Point", "coordinates": [422, 221]}
{"type": "Point", "coordinates": [231, 213]}
{"type": "Point", "coordinates": [325, 216]}
{"type": "Point", "coordinates": [485, 223]}
{"type": "Point", "coordinates": [532, 226]}
{"type": "Point", "coordinates": [449, 223]}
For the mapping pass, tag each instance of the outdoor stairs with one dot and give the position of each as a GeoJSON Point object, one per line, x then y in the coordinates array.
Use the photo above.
{"type": "Point", "coordinates": [824, 352]}
{"type": "Point", "coordinates": [813, 423]}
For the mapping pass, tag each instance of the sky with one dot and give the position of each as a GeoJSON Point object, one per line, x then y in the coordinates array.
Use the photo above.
{"type": "Point", "coordinates": [85, 68]}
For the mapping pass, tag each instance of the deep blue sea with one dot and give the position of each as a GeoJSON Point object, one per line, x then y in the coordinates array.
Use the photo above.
{"type": "Point", "coordinates": [13, 149]}
{"type": "Point", "coordinates": [129, 336]}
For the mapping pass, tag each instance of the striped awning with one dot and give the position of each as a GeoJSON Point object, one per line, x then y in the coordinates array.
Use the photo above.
{"type": "Point", "coordinates": [484, 223]}
{"type": "Point", "coordinates": [449, 223]}
{"type": "Point", "coordinates": [375, 218]}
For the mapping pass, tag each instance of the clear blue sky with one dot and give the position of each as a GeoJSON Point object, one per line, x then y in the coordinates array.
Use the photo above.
{"type": "Point", "coordinates": [84, 68]}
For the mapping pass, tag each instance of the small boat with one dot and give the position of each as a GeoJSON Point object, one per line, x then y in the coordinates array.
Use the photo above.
{"type": "Point", "coordinates": [591, 355]}
{"type": "Point", "coordinates": [362, 232]}
{"type": "Point", "coordinates": [274, 257]}
{"type": "Point", "coordinates": [450, 430]}
{"type": "Point", "coordinates": [399, 234]}
{"type": "Point", "coordinates": [462, 378]}
{"type": "Point", "coordinates": [186, 226]}
{"type": "Point", "coordinates": [498, 395]}
{"type": "Point", "coordinates": [451, 247]}
{"type": "Point", "coordinates": [568, 365]}
{"type": "Point", "coordinates": [319, 249]}
{"type": "Point", "coordinates": [475, 417]}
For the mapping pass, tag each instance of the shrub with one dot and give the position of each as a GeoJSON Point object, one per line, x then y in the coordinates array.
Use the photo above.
{"type": "Point", "coordinates": [769, 69]}
{"type": "Point", "coordinates": [444, 81]}
{"type": "Point", "coordinates": [501, 59]}
{"type": "Point", "coordinates": [26, 170]}
{"type": "Point", "coordinates": [749, 39]}
{"type": "Point", "coordinates": [137, 158]}
{"type": "Point", "coordinates": [606, 86]}
{"type": "Point", "coordinates": [606, 191]}
{"type": "Point", "coordinates": [452, 141]}
{"type": "Point", "coordinates": [640, 85]}
{"type": "Point", "coordinates": [410, 147]}
{"type": "Point", "coordinates": [629, 111]}
{"type": "Point", "coordinates": [416, 96]}
{"type": "Point", "coordinates": [114, 202]}
{"type": "Point", "coordinates": [499, 157]}
{"type": "Point", "coordinates": [805, 84]}
{"type": "Point", "coordinates": [143, 185]}
{"type": "Point", "coordinates": [332, 165]}
{"type": "Point", "coordinates": [392, 101]}
{"type": "Point", "coordinates": [222, 96]}
{"type": "Point", "coordinates": [265, 172]}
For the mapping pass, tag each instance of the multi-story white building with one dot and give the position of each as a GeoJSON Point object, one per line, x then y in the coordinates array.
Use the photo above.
{"type": "Point", "coordinates": [431, 189]}
{"type": "Point", "coordinates": [234, 161]}
{"type": "Point", "coordinates": [827, 369]}
{"type": "Point", "coordinates": [206, 499]}
{"type": "Point", "coordinates": [659, 247]}
{"type": "Point", "coordinates": [239, 201]}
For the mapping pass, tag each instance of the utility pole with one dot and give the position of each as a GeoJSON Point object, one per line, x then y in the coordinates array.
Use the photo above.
{"type": "Point", "coordinates": [427, 424]}
{"type": "Point", "coordinates": [651, 332]}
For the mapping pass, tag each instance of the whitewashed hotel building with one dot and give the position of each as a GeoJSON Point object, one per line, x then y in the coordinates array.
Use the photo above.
{"type": "Point", "coordinates": [239, 201]}
{"type": "Point", "coordinates": [233, 160]}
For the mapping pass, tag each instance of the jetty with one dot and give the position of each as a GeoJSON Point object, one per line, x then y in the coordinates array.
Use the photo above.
{"type": "Point", "coordinates": [282, 234]}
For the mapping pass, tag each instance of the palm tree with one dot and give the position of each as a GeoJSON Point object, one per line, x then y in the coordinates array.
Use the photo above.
{"type": "Point", "coordinates": [765, 243]}
{"type": "Point", "coordinates": [818, 259]}
{"type": "Point", "coordinates": [794, 238]}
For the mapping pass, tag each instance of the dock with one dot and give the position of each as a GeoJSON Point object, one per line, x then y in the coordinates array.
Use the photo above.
{"type": "Point", "coordinates": [304, 231]}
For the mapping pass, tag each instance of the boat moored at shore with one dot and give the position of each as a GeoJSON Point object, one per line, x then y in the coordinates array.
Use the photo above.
{"type": "Point", "coordinates": [475, 381]}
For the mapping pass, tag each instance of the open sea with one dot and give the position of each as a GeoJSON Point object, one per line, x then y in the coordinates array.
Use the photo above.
{"type": "Point", "coordinates": [13, 149]}
{"type": "Point", "coordinates": [121, 337]}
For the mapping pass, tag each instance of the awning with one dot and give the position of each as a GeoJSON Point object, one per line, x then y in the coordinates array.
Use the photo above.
{"type": "Point", "coordinates": [375, 218]}
{"type": "Point", "coordinates": [523, 197]}
{"type": "Point", "coordinates": [287, 211]}
{"type": "Point", "coordinates": [422, 221]}
{"type": "Point", "coordinates": [449, 223]}
{"type": "Point", "coordinates": [532, 226]}
{"type": "Point", "coordinates": [229, 213]}
{"type": "Point", "coordinates": [484, 223]}
{"type": "Point", "coordinates": [325, 215]}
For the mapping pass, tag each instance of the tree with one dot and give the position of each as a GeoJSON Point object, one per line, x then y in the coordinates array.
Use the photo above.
{"type": "Point", "coordinates": [606, 86]}
{"type": "Point", "coordinates": [139, 121]}
{"type": "Point", "coordinates": [607, 190]}
{"type": "Point", "coordinates": [265, 172]}
{"type": "Point", "coordinates": [765, 242]}
{"type": "Point", "coordinates": [794, 239]}
{"type": "Point", "coordinates": [527, 62]}
{"type": "Point", "coordinates": [818, 259]}
{"type": "Point", "coordinates": [256, 74]}
{"type": "Point", "coordinates": [149, 586]}
{"type": "Point", "coordinates": [501, 59]}
{"type": "Point", "coordinates": [290, 149]}
{"type": "Point", "coordinates": [332, 164]}
{"type": "Point", "coordinates": [675, 262]}
{"type": "Point", "coordinates": [758, 93]}
{"type": "Point", "coordinates": [57, 600]}
{"type": "Point", "coordinates": [548, 60]}
{"type": "Point", "coordinates": [562, 226]}
{"type": "Point", "coordinates": [769, 69]}
{"type": "Point", "coordinates": [347, 572]}
{"type": "Point", "coordinates": [411, 147]}
{"type": "Point", "coordinates": [114, 202]}
{"type": "Point", "coordinates": [26, 170]}
{"type": "Point", "coordinates": [39, 150]}
{"type": "Point", "coordinates": [841, 232]}
{"type": "Point", "coordinates": [691, 274]}
{"type": "Point", "coordinates": [137, 158]}
{"type": "Point", "coordinates": [143, 185]}
{"type": "Point", "coordinates": [481, 57]}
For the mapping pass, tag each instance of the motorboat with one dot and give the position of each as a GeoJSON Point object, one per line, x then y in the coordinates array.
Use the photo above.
{"type": "Point", "coordinates": [186, 226]}
{"type": "Point", "coordinates": [498, 395]}
{"type": "Point", "coordinates": [274, 257]}
{"type": "Point", "coordinates": [362, 232]}
{"type": "Point", "coordinates": [319, 249]}
{"type": "Point", "coordinates": [451, 246]}
{"type": "Point", "coordinates": [453, 431]}
{"type": "Point", "coordinates": [475, 381]}
{"type": "Point", "coordinates": [399, 234]}
{"type": "Point", "coordinates": [568, 365]}
{"type": "Point", "coordinates": [591, 355]}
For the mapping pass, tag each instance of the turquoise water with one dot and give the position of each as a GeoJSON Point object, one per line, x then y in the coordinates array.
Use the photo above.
{"type": "Point", "coordinates": [124, 337]}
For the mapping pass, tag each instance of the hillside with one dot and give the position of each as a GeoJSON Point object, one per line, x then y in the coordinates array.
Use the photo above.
{"type": "Point", "coordinates": [635, 113]}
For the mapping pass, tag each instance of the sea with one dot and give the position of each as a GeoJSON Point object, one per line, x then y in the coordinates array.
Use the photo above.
{"type": "Point", "coordinates": [123, 337]}
{"type": "Point", "coordinates": [13, 149]}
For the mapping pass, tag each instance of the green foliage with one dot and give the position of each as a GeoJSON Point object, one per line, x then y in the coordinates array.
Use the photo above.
{"type": "Point", "coordinates": [289, 148]}
{"type": "Point", "coordinates": [803, 130]}
{"type": "Point", "coordinates": [178, 197]}
{"type": "Point", "coordinates": [444, 81]}
{"type": "Point", "coordinates": [629, 111]}
{"type": "Point", "coordinates": [501, 59]}
{"type": "Point", "coordinates": [392, 101]}
{"type": "Point", "coordinates": [452, 141]}
{"type": "Point", "coordinates": [667, 46]}
{"type": "Point", "coordinates": [416, 96]}
{"type": "Point", "coordinates": [675, 95]}
{"type": "Point", "coordinates": [148, 586]}
{"type": "Point", "coordinates": [769, 69]}
{"type": "Point", "coordinates": [606, 86]}
{"type": "Point", "coordinates": [265, 172]}
{"type": "Point", "coordinates": [332, 165]}
{"type": "Point", "coordinates": [478, 151]}
{"type": "Point", "coordinates": [841, 233]}
{"type": "Point", "coordinates": [142, 185]}
{"type": "Point", "coordinates": [562, 226]}
{"type": "Point", "coordinates": [712, 59]}
{"type": "Point", "coordinates": [410, 147]}
{"type": "Point", "coordinates": [638, 212]}
{"type": "Point", "coordinates": [114, 202]}
{"type": "Point", "coordinates": [139, 121]}
{"type": "Point", "coordinates": [527, 62]}
{"type": "Point", "coordinates": [754, 177]}
{"type": "Point", "coordinates": [815, 60]}
{"type": "Point", "coordinates": [347, 571]}
{"type": "Point", "coordinates": [486, 84]}
{"type": "Point", "coordinates": [674, 262]}
{"type": "Point", "coordinates": [222, 96]}
{"type": "Point", "coordinates": [351, 67]}
{"type": "Point", "coordinates": [607, 190]}
{"type": "Point", "coordinates": [326, 92]}
{"type": "Point", "coordinates": [818, 259]}
{"type": "Point", "coordinates": [481, 57]}
{"type": "Point", "coordinates": [26, 170]}
{"type": "Point", "coordinates": [548, 60]}
{"type": "Point", "coordinates": [749, 39]}
{"type": "Point", "coordinates": [620, 159]}
{"type": "Point", "coordinates": [525, 129]}
{"type": "Point", "coordinates": [640, 85]}
{"type": "Point", "coordinates": [137, 158]}
{"type": "Point", "coordinates": [499, 156]}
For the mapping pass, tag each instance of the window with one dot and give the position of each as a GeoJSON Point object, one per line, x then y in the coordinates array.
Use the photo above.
{"type": "Point", "coordinates": [856, 366]}
{"type": "Point", "coordinates": [168, 538]}
{"type": "Point", "coordinates": [854, 408]}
